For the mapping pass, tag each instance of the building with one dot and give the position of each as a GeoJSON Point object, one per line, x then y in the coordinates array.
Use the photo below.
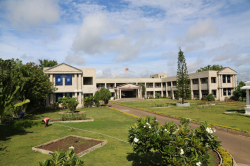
{"type": "Point", "coordinates": [82, 82]}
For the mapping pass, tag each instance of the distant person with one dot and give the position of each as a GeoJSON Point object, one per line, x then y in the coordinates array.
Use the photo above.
{"type": "Point", "coordinates": [21, 114]}
{"type": "Point", "coordinates": [46, 122]}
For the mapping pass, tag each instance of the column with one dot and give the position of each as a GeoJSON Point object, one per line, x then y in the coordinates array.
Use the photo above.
{"type": "Point", "coordinates": [247, 96]}
{"type": "Point", "coordinates": [80, 98]}
{"type": "Point", "coordinates": [191, 89]}
{"type": "Point", "coordinates": [200, 94]}
{"type": "Point", "coordinates": [105, 85]}
{"type": "Point", "coordinates": [75, 81]}
{"type": "Point", "coordinates": [145, 90]}
{"type": "Point", "coordinates": [79, 86]}
{"type": "Point", "coordinates": [120, 95]}
{"type": "Point", "coordinates": [235, 80]}
{"type": "Point", "coordinates": [51, 78]}
{"type": "Point", "coordinates": [172, 92]}
{"type": "Point", "coordinates": [154, 94]}
{"type": "Point", "coordinates": [209, 85]}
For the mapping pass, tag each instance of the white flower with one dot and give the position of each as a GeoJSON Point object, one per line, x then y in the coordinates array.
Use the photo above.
{"type": "Point", "coordinates": [71, 147]}
{"type": "Point", "coordinates": [198, 164]}
{"type": "Point", "coordinates": [149, 127]}
{"type": "Point", "coordinates": [136, 140]}
{"type": "Point", "coordinates": [182, 152]}
{"type": "Point", "coordinates": [156, 120]}
{"type": "Point", "coordinates": [166, 130]}
{"type": "Point", "coordinates": [209, 130]}
{"type": "Point", "coordinates": [147, 123]}
{"type": "Point", "coordinates": [207, 145]}
{"type": "Point", "coordinates": [144, 126]}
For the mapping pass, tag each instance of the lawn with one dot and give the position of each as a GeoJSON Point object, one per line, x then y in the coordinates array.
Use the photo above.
{"type": "Point", "coordinates": [16, 144]}
{"type": "Point", "coordinates": [212, 113]}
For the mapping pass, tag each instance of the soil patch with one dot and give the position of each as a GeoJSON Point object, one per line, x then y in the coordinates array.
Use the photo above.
{"type": "Point", "coordinates": [80, 144]}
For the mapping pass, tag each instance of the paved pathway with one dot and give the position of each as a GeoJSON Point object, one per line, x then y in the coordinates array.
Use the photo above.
{"type": "Point", "coordinates": [238, 146]}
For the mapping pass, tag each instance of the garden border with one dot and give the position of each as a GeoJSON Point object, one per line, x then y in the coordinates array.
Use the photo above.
{"type": "Point", "coordinates": [72, 121]}
{"type": "Point", "coordinates": [103, 142]}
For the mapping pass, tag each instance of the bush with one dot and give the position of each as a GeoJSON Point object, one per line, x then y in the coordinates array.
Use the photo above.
{"type": "Point", "coordinates": [73, 117]}
{"type": "Point", "coordinates": [105, 95]}
{"type": "Point", "coordinates": [157, 95]}
{"type": "Point", "coordinates": [55, 105]}
{"type": "Point", "coordinates": [210, 97]}
{"type": "Point", "coordinates": [88, 101]}
{"type": "Point", "coordinates": [176, 145]}
{"type": "Point", "coordinates": [61, 158]}
{"type": "Point", "coordinates": [72, 104]}
{"type": "Point", "coordinates": [97, 98]}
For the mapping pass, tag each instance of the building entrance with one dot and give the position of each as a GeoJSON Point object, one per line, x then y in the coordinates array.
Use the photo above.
{"type": "Point", "coordinates": [129, 93]}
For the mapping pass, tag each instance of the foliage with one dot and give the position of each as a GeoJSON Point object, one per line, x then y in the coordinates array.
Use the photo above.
{"type": "Point", "coordinates": [55, 105]}
{"type": "Point", "coordinates": [105, 95]}
{"type": "Point", "coordinates": [72, 104]}
{"type": "Point", "coordinates": [64, 101]}
{"type": "Point", "coordinates": [226, 157]}
{"type": "Point", "coordinates": [8, 90]}
{"type": "Point", "coordinates": [239, 92]}
{"type": "Point", "coordinates": [66, 117]}
{"type": "Point", "coordinates": [183, 81]}
{"type": "Point", "coordinates": [210, 97]}
{"type": "Point", "coordinates": [20, 107]}
{"type": "Point", "coordinates": [61, 158]}
{"type": "Point", "coordinates": [177, 145]}
{"type": "Point", "coordinates": [47, 63]}
{"type": "Point", "coordinates": [209, 67]}
{"type": "Point", "coordinates": [143, 89]}
{"type": "Point", "coordinates": [157, 95]}
{"type": "Point", "coordinates": [97, 98]}
{"type": "Point", "coordinates": [88, 101]}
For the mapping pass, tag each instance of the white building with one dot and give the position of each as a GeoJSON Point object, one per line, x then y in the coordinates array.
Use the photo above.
{"type": "Point", "coordinates": [82, 82]}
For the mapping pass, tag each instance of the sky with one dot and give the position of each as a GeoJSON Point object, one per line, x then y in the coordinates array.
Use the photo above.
{"type": "Point", "coordinates": [142, 35]}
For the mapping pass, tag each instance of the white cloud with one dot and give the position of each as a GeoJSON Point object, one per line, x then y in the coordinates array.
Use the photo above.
{"type": "Point", "coordinates": [74, 58]}
{"type": "Point", "coordinates": [25, 13]}
{"type": "Point", "coordinates": [202, 28]}
{"type": "Point", "coordinates": [243, 75]}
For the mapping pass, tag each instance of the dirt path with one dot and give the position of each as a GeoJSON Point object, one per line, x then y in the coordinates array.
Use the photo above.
{"type": "Point", "coordinates": [238, 146]}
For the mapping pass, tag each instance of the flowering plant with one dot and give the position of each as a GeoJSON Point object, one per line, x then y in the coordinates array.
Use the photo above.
{"type": "Point", "coordinates": [177, 145]}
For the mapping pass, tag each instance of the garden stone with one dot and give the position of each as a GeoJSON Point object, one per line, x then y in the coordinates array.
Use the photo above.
{"type": "Point", "coordinates": [183, 105]}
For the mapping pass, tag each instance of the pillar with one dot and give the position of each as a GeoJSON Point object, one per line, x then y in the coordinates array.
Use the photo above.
{"type": "Point", "coordinates": [200, 94]}
{"type": "Point", "coordinates": [75, 81]}
{"type": "Point", "coordinates": [209, 85]}
{"type": "Point", "coordinates": [191, 89]}
{"type": "Point", "coordinates": [120, 94]}
{"type": "Point", "coordinates": [154, 94]}
{"type": "Point", "coordinates": [247, 96]}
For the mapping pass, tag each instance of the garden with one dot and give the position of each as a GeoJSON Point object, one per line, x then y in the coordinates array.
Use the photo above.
{"type": "Point", "coordinates": [17, 140]}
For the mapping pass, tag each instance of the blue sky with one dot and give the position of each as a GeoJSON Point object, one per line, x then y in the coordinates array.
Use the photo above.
{"type": "Point", "coordinates": [142, 35]}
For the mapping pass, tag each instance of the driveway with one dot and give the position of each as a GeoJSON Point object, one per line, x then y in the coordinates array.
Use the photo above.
{"type": "Point", "coordinates": [238, 146]}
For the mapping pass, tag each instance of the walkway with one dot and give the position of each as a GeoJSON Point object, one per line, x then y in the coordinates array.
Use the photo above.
{"type": "Point", "coordinates": [238, 146]}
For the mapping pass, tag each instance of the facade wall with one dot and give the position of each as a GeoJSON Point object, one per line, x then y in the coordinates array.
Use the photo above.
{"type": "Point", "coordinates": [201, 83]}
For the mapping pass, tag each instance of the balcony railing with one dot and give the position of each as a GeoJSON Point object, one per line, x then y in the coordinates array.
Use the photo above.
{"type": "Point", "coordinates": [149, 86]}
{"type": "Point", "coordinates": [157, 86]}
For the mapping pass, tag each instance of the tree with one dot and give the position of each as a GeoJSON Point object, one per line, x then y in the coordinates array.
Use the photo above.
{"type": "Point", "coordinates": [209, 67]}
{"type": "Point", "coordinates": [183, 81]}
{"type": "Point", "coordinates": [97, 98]}
{"type": "Point", "coordinates": [239, 92]}
{"type": "Point", "coordinates": [105, 95]}
{"type": "Point", "coordinates": [88, 101]}
{"type": "Point", "coordinates": [157, 95]}
{"type": "Point", "coordinates": [72, 104]}
{"type": "Point", "coordinates": [47, 63]}
{"type": "Point", "coordinates": [210, 97]}
{"type": "Point", "coordinates": [143, 89]}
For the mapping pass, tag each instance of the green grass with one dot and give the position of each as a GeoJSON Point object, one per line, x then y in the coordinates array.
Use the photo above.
{"type": "Point", "coordinates": [16, 143]}
{"type": "Point", "coordinates": [211, 114]}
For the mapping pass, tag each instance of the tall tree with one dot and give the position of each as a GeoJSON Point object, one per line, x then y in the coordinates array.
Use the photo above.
{"type": "Point", "coordinates": [209, 67]}
{"type": "Point", "coordinates": [239, 92]}
{"type": "Point", "coordinates": [183, 81]}
{"type": "Point", "coordinates": [105, 95]}
{"type": "Point", "coordinates": [47, 63]}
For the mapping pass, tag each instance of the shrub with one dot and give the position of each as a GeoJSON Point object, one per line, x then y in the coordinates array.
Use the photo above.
{"type": "Point", "coordinates": [97, 98]}
{"type": "Point", "coordinates": [61, 158]}
{"type": "Point", "coordinates": [210, 97]}
{"type": "Point", "coordinates": [72, 104]}
{"type": "Point", "coordinates": [176, 145]}
{"type": "Point", "coordinates": [55, 105]}
{"type": "Point", "coordinates": [157, 95]}
{"type": "Point", "coordinates": [88, 100]}
{"type": "Point", "coordinates": [105, 95]}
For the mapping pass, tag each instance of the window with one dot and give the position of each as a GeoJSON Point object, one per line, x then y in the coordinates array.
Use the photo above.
{"type": "Point", "coordinates": [58, 97]}
{"type": "Point", "coordinates": [59, 80]}
{"type": "Point", "coordinates": [213, 79]}
{"type": "Point", "coordinates": [195, 81]}
{"type": "Point", "coordinates": [68, 79]}
{"type": "Point", "coordinates": [169, 83]}
{"type": "Point", "coordinates": [224, 78]}
{"type": "Point", "coordinates": [228, 79]}
{"type": "Point", "coordinates": [204, 80]}
{"type": "Point", "coordinates": [174, 83]}
{"type": "Point", "coordinates": [224, 92]}
{"type": "Point", "coordinates": [87, 80]}
{"type": "Point", "coordinates": [70, 95]}
{"type": "Point", "coordinates": [229, 92]}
